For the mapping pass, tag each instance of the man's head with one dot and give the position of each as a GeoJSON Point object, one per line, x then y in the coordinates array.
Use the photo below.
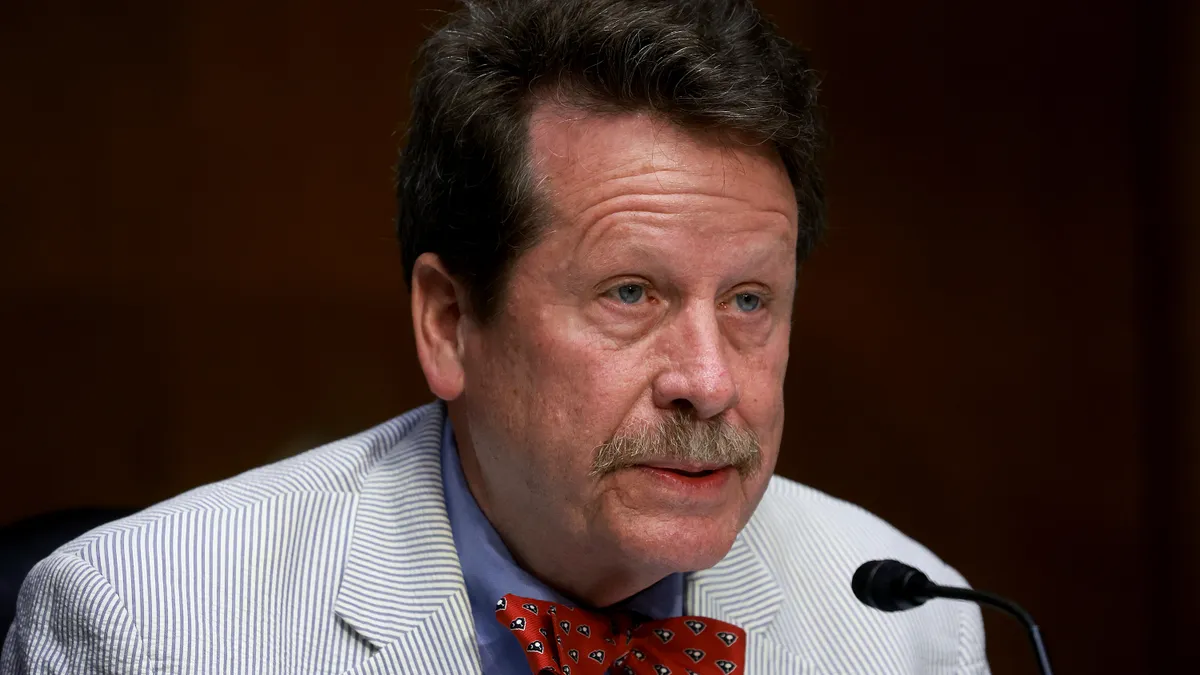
{"type": "Point", "coordinates": [602, 206]}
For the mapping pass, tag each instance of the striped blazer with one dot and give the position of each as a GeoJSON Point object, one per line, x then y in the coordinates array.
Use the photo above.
{"type": "Point", "coordinates": [341, 560]}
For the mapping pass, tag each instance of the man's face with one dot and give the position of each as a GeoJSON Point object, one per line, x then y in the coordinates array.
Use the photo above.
{"type": "Point", "coordinates": [661, 289]}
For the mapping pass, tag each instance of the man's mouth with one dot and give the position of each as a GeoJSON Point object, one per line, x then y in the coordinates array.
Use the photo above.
{"type": "Point", "coordinates": [694, 484]}
{"type": "Point", "coordinates": [687, 470]}
{"type": "Point", "coordinates": [692, 474]}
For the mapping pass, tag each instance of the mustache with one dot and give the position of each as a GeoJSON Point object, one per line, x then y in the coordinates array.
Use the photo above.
{"type": "Point", "coordinates": [680, 437]}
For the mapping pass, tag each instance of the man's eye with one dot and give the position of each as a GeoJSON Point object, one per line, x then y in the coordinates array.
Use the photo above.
{"type": "Point", "coordinates": [747, 302]}
{"type": "Point", "coordinates": [630, 294]}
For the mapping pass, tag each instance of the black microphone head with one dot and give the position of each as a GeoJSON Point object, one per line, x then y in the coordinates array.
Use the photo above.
{"type": "Point", "coordinates": [890, 585]}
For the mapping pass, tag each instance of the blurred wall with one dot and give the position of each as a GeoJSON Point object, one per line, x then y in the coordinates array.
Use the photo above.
{"type": "Point", "coordinates": [994, 349]}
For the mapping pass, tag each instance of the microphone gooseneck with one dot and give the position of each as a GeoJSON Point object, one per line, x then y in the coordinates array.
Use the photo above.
{"type": "Point", "coordinates": [892, 586]}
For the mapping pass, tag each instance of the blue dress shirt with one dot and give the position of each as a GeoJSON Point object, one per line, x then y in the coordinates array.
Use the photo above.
{"type": "Point", "coordinates": [490, 572]}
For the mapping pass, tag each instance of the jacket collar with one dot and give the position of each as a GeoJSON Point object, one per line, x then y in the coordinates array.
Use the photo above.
{"type": "Point", "coordinates": [741, 588]}
{"type": "Point", "coordinates": [402, 582]}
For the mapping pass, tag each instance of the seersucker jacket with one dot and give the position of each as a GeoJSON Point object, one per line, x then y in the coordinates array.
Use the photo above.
{"type": "Point", "coordinates": [341, 560]}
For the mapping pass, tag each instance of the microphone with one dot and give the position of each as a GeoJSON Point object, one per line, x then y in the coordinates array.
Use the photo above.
{"type": "Point", "coordinates": [892, 586]}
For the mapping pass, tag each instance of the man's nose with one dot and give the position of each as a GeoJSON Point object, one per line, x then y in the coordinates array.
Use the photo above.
{"type": "Point", "coordinates": [699, 376]}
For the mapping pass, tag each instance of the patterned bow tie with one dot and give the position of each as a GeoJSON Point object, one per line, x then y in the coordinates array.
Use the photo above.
{"type": "Point", "coordinates": [569, 641]}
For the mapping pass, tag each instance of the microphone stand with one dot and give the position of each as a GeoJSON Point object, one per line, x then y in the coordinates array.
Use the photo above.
{"type": "Point", "coordinates": [893, 586]}
{"type": "Point", "coordinates": [992, 600]}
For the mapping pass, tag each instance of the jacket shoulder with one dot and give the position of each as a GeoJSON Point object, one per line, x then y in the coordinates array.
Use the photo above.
{"type": "Point", "coordinates": [797, 517]}
{"type": "Point", "coordinates": [813, 543]}
{"type": "Point", "coordinates": [337, 468]}
{"type": "Point", "coordinates": [233, 567]}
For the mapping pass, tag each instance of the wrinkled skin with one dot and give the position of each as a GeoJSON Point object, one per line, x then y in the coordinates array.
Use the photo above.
{"type": "Point", "coordinates": [664, 282]}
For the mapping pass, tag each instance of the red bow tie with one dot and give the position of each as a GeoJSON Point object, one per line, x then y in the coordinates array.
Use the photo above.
{"type": "Point", "coordinates": [568, 641]}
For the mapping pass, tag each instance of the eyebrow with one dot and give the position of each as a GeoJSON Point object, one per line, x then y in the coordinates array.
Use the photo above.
{"type": "Point", "coordinates": [614, 255]}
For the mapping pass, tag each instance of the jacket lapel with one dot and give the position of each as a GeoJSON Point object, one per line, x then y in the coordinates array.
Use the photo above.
{"type": "Point", "coordinates": [742, 590]}
{"type": "Point", "coordinates": [402, 588]}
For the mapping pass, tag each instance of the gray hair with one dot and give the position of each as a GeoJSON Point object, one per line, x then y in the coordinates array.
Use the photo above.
{"type": "Point", "coordinates": [681, 437]}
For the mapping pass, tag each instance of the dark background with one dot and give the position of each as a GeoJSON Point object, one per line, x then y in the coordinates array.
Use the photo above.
{"type": "Point", "coordinates": [996, 348]}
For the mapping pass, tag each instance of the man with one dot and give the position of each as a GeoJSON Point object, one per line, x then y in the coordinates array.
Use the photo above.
{"type": "Point", "coordinates": [602, 206]}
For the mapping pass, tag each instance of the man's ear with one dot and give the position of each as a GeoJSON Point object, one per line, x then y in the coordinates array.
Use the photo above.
{"type": "Point", "coordinates": [438, 304]}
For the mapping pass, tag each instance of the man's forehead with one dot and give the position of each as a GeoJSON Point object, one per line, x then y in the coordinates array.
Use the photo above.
{"type": "Point", "coordinates": [571, 146]}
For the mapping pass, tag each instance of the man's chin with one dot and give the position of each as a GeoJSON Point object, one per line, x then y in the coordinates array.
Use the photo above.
{"type": "Point", "coordinates": [677, 544]}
